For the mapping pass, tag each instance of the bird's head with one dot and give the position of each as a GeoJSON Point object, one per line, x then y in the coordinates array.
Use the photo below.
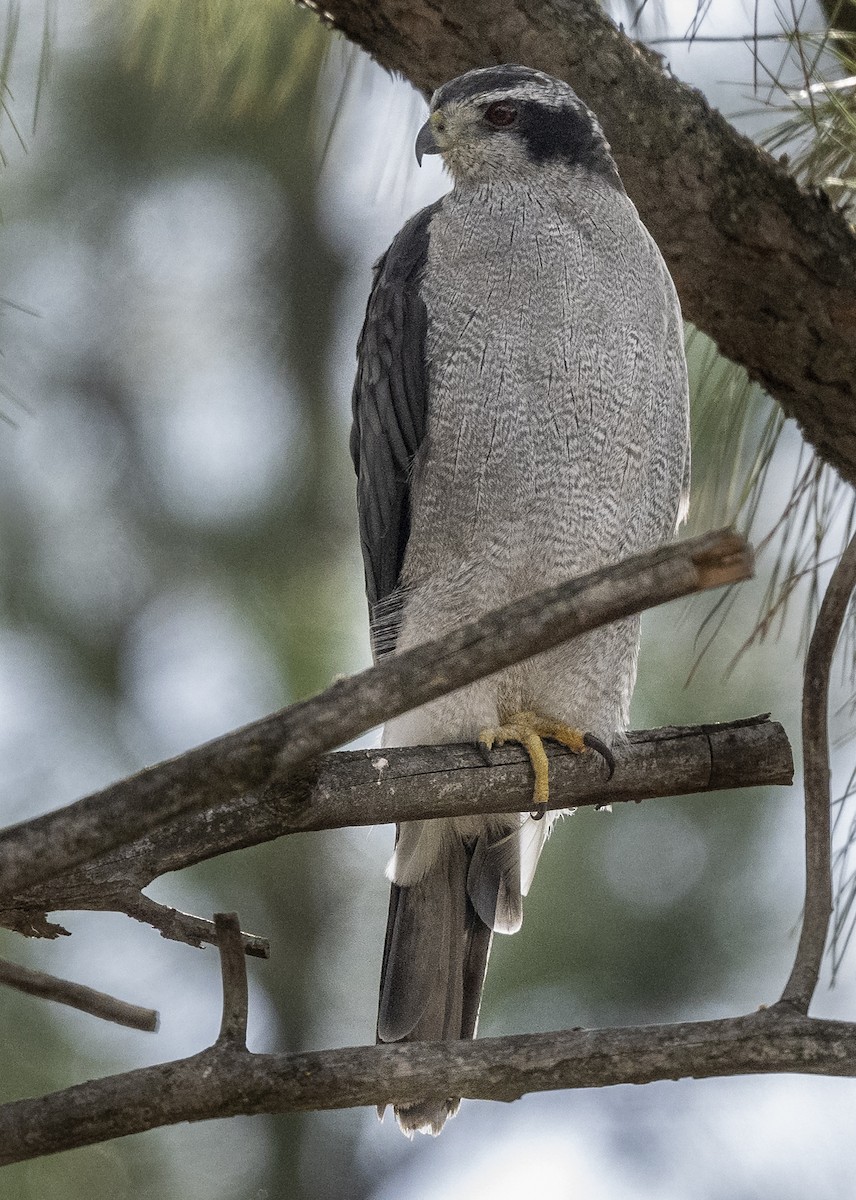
{"type": "Point", "coordinates": [499, 122]}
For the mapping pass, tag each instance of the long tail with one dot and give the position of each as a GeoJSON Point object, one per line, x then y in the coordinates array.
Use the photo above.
{"type": "Point", "coordinates": [438, 939]}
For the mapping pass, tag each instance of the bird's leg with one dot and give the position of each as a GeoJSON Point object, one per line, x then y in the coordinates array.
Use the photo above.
{"type": "Point", "coordinates": [529, 729]}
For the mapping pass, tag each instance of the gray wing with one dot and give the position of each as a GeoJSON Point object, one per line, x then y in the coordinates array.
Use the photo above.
{"type": "Point", "coordinates": [390, 408]}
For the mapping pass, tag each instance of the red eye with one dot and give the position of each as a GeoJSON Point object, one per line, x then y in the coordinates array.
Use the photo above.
{"type": "Point", "coordinates": [500, 114]}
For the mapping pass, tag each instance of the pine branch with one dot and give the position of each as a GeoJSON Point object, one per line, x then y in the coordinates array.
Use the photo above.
{"type": "Point", "coordinates": [170, 923]}
{"type": "Point", "coordinates": [227, 1080]}
{"type": "Point", "coordinates": [818, 850]}
{"type": "Point", "coordinates": [77, 995]}
{"type": "Point", "coordinates": [765, 267]}
{"type": "Point", "coordinates": [233, 972]}
{"type": "Point", "coordinates": [380, 786]}
{"type": "Point", "coordinates": [263, 754]}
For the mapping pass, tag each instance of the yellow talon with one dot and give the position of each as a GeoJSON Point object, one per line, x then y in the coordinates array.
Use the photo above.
{"type": "Point", "coordinates": [528, 729]}
{"type": "Point", "coordinates": [557, 731]}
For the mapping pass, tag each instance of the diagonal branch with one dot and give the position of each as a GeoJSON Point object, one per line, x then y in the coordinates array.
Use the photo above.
{"type": "Point", "coordinates": [818, 850]}
{"type": "Point", "coordinates": [261, 754]}
{"type": "Point", "coordinates": [380, 786]}
{"type": "Point", "coordinates": [170, 922]}
{"type": "Point", "coordinates": [76, 995]}
{"type": "Point", "coordinates": [225, 1082]}
{"type": "Point", "coordinates": [763, 266]}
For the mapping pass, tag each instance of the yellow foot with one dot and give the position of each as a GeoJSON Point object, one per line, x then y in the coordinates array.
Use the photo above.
{"type": "Point", "coordinates": [529, 729]}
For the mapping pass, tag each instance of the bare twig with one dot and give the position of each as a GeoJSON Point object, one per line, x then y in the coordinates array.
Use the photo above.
{"type": "Point", "coordinates": [233, 970]}
{"type": "Point", "coordinates": [818, 852]}
{"type": "Point", "coordinates": [216, 1084]}
{"type": "Point", "coordinates": [75, 995]}
{"type": "Point", "coordinates": [262, 753]}
{"type": "Point", "coordinates": [178, 926]}
{"type": "Point", "coordinates": [379, 786]}
{"type": "Point", "coordinates": [766, 268]}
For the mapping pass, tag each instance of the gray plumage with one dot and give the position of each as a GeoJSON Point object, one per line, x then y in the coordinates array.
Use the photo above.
{"type": "Point", "coordinates": [520, 417]}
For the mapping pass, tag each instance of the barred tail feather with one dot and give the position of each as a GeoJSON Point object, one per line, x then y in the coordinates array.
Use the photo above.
{"type": "Point", "coordinates": [434, 964]}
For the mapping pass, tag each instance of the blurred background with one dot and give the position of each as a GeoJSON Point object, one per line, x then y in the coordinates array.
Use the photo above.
{"type": "Point", "coordinates": [192, 197]}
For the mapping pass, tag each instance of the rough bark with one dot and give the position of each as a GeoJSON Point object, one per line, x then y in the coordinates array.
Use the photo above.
{"type": "Point", "coordinates": [227, 1081]}
{"type": "Point", "coordinates": [266, 752]}
{"type": "Point", "coordinates": [379, 786]}
{"type": "Point", "coordinates": [766, 268]}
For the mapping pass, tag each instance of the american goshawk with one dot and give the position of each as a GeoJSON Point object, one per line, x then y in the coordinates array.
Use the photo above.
{"type": "Point", "coordinates": [520, 417]}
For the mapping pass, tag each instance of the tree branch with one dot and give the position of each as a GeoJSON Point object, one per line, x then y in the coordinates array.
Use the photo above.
{"type": "Point", "coordinates": [379, 786]}
{"type": "Point", "coordinates": [815, 727]}
{"type": "Point", "coordinates": [76, 995]}
{"type": "Point", "coordinates": [170, 922]}
{"type": "Point", "coordinates": [225, 1082]}
{"type": "Point", "coordinates": [233, 970]}
{"type": "Point", "coordinates": [263, 753]}
{"type": "Point", "coordinates": [763, 266]}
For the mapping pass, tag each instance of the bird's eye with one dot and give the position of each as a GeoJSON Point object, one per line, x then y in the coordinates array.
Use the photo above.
{"type": "Point", "coordinates": [500, 114]}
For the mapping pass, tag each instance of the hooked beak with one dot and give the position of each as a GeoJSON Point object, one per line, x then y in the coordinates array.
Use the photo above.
{"type": "Point", "coordinates": [425, 142]}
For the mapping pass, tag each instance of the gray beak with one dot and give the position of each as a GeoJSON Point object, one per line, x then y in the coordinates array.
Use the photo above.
{"type": "Point", "coordinates": [425, 143]}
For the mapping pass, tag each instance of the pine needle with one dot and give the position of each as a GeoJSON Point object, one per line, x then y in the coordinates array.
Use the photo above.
{"type": "Point", "coordinates": [227, 57]}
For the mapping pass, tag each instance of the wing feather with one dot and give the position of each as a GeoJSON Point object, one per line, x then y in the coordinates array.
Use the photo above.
{"type": "Point", "coordinates": [390, 413]}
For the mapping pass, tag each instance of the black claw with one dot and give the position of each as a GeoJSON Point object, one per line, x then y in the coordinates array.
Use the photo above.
{"type": "Point", "coordinates": [487, 756]}
{"type": "Point", "coordinates": [538, 812]}
{"type": "Point", "coordinates": [594, 743]}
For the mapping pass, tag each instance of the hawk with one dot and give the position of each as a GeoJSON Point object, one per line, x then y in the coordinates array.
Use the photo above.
{"type": "Point", "coordinates": [520, 417]}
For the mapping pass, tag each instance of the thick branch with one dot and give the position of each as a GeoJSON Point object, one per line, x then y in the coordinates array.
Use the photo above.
{"type": "Point", "coordinates": [379, 786]}
{"type": "Point", "coordinates": [764, 267]}
{"type": "Point", "coordinates": [76, 995]}
{"type": "Point", "coordinates": [223, 1082]}
{"type": "Point", "coordinates": [261, 754]}
{"type": "Point", "coordinates": [815, 727]}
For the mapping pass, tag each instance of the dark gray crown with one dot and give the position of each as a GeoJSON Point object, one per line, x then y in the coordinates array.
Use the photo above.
{"type": "Point", "coordinates": [491, 79]}
{"type": "Point", "coordinates": [553, 123]}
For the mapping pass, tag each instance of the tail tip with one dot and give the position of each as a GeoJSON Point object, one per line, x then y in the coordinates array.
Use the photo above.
{"type": "Point", "coordinates": [427, 1116]}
